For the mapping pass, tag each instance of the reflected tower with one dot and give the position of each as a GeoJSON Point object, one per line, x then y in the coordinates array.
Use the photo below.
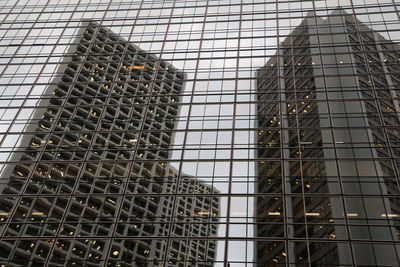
{"type": "Point", "coordinates": [91, 184]}
{"type": "Point", "coordinates": [328, 138]}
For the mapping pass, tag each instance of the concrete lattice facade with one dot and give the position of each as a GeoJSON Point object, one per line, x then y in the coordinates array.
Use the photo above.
{"type": "Point", "coordinates": [94, 178]}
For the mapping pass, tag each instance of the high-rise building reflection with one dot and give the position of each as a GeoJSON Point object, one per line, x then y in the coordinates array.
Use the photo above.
{"type": "Point", "coordinates": [91, 184]}
{"type": "Point", "coordinates": [328, 131]}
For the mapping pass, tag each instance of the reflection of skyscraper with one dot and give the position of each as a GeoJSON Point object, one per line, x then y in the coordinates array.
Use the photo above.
{"type": "Point", "coordinates": [328, 142]}
{"type": "Point", "coordinates": [91, 185]}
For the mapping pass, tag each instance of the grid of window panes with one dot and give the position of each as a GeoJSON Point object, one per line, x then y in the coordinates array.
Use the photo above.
{"type": "Point", "coordinates": [199, 133]}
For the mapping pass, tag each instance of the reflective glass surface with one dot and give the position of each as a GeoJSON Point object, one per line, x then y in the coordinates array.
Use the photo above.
{"type": "Point", "coordinates": [199, 133]}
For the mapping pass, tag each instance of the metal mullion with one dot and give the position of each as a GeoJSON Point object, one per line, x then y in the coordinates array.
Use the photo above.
{"type": "Point", "coordinates": [243, 239]}
{"type": "Point", "coordinates": [235, 103]}
{"type": "Point", "coordinates": [361, 115]}
{"type": "Point", "coordinates": [173, 40]}
{"type": "Point", "coordinates": [331, 128]}
{"type": "Point", "coordinates": [282, 109]}
{"type": "Point", "coordinates": [192, 94]}
{"type": "Point", "coordinates": [210, 194]}
{"type": "Point", "coordinates": [136, 147]}
{"type": "Point", "coordinates": [298, 148]}
{"type": "Point", "coordinates": [189, 6]}
{"type": "Point", "coordinates": [176, 195]}
{"type": "Point", "coordinates": [378, 106]}
{"type": "Point", "coordinates": [81, 168]}
{"type": "Point", "coordinates": [194, 195]}
{"type": "Point", "coordinates": [352, 141]}
{"type": "Point", "coordinates": [169, 160]}
{"type": "Point", "coordinates": [35, 163]}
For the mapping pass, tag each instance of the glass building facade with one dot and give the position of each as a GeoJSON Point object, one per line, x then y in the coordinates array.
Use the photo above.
{"type": "Point", "coordinates": [199, 133]}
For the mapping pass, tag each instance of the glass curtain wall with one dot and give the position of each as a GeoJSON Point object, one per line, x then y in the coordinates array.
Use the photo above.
{"type": "Point", "coordinates": [199, 133]}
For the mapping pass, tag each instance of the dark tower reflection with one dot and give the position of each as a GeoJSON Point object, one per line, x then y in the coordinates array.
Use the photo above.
{"type": "Point", "coordinates": [91, 184]}
{"type": "Point", "coordinates": [328, 130]}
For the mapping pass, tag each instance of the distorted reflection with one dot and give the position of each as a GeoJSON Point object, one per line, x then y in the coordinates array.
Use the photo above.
{"type": "Point", "coordinates": [320, 102]}
{"type": "Point", "coordinates": [94, 178]}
